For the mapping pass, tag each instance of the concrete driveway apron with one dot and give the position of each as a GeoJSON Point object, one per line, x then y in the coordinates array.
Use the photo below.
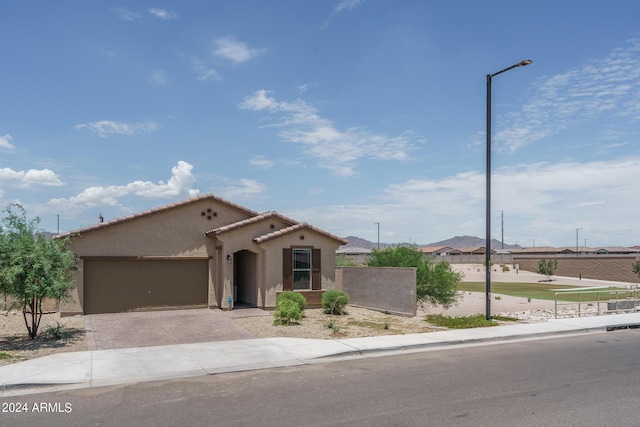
{"type": "Point", "coordinates": [152, 328]}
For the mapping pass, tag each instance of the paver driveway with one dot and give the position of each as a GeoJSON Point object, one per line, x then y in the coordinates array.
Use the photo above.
{"type": "Point", "coordinates": [151, 328]}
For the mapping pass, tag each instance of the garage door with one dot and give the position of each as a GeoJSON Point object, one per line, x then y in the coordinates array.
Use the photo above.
{"type": "Point", "coordinates": [113, 286]}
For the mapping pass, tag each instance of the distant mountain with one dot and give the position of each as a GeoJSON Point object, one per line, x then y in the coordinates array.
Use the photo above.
{"type": "Point", "coordinates": [357, 242]}
{"type": "Point", "coordinates": [471, 241]}
{"type": "Point", "coordinates": [455, 242]}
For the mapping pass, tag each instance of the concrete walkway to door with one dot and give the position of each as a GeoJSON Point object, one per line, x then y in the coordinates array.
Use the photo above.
{"type": "Point", "coordinates": [154, 328]}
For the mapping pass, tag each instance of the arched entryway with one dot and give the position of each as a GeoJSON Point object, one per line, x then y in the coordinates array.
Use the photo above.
{"type": "Point", "coordinates": [245, 277]}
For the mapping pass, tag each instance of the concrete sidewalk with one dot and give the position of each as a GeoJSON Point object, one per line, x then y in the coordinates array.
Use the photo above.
{"type": "Point", "coordinates": [132, 365]}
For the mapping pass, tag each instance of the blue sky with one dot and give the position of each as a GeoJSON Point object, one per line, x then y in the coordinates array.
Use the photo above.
{"type": "Point", "coordinates": [339, 113]}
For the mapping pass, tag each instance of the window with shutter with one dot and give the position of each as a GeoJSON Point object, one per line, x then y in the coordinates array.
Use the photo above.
{"type": "Point", "coordinates": [301, 269]}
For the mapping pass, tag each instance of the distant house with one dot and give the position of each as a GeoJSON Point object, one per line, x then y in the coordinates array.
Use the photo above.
{"type": "Point", "coordinates": [436, 250]}
{"type": "Point", "coordinates": [201, 252]}
{"type": "Point", "coordinates": [473, 250]}
{"type": "Point", "coordinates": [354, 254]}
{"type": "Point", "coordinates": [536, 250]}
{"type": "Point", "coordinates": [580, 250]}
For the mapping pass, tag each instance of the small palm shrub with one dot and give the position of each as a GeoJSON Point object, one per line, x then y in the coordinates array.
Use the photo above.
{"type": "Point", "coordinates": [334, 301]}
{"type": "Point", "coordinates": [296, 297]}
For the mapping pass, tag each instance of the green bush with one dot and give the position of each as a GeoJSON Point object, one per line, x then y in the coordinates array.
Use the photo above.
{"type": "Point", "coordinates": [296, 297]}
{"type": "Point", "coordinates": [461, 322]}
{"type": "Point", "coordinates": [334, 301]}
{"type": "Point", "coordinates": [436, 282]}
{"type": "Point", "coordinates": [287, 311]}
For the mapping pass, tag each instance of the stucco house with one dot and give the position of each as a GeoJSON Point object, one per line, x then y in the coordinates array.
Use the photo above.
{"type": "Point", "coordinates": [201, 252]}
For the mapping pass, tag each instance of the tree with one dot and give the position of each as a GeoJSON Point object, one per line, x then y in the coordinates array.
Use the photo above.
{"type": "Point", "coordinates": [636, 268]}
{"type": "Point", "coordinates": [436, 283]}
{"type": "Point", "coordinates": [32, 266]}
{"type": "Point", "coordinates": [546, 267]}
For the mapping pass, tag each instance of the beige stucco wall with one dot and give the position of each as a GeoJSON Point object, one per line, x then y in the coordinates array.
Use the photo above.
{"type": "Point", "coordinates": [381, 288]}
{"type": "Point", "coordinates": [304, 238]}
{"type": "Point", "coordinates": [177, 232]}
{"type": "Point", "coordinates": [239, 239]}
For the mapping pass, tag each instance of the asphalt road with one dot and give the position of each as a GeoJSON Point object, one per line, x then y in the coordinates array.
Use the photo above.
{"type": "Point", "coordinates": [588, 380]}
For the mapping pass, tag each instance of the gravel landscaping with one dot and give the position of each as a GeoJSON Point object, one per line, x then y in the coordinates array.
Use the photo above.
{"type": "Point", "coordinates": [16, 346]}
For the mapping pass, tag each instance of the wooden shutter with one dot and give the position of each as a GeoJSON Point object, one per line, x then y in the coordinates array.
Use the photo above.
{"type": "Point", "coordinates": [287, 269]}
{"type": "Point", "coordinates": [316, 276]}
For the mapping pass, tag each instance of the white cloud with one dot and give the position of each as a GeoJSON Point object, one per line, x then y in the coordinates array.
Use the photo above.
{"type": "Point", "coordinates": [604, 86]}
{"type": "Point", "coordinates": [125, 14]}
{"type": "Point", "coordinates": [158, 78]}
{"type": "Point", "coordinates": [336, 150]}
{"type": "Point", "coordinates": [108, 127]}
{"type": "Point", "coordinates": [46, 177]}
{"type": "Point", "coordinates": [244, 189]}
{"type": "Point", "coordinates": [235, 51]}
{"type": "Point", "coordinates": [180, 184]}
{"type": "Point", "coordinates": [342, 6]}
{"type": "Point", "coordinates": [347, 5]}
{"type": "Point", "coordinates": [306, 86]}
{"type": "Point", "coordinates": [5, 141]}
{"type": "Point", "coordinates": [163, 14]}
{"type": "Point", "coordinates": [203, 72]}
{"type": "Point", "coordinates": [542, 201]}
{"type": "Point", "coordinates": [261, 162]}
{"type": "Point", "coordinates": [260, 100]}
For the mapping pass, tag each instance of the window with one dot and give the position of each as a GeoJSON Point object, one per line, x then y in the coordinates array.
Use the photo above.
{"type": "Point", "coordinates": [301, 269]}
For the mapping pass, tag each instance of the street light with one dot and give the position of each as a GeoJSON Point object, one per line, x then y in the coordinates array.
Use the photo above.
{"type": "Point", "coordinates": [488, 219]}
{"type": "Point", "coordinates": [378, 224]}
{"type": "Point", "coordinates": [577, 250]}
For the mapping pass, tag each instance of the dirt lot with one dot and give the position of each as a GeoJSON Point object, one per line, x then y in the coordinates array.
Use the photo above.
{"type": "Point", "coordinates": [15, 342]}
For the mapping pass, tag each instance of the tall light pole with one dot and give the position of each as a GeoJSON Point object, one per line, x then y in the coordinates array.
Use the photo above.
{"type": "Point", "coordinates": [502, 228]}
{"type": "Point", "coordinates": [488, 218]}
{"type": "Point", "coordinates": [378, 224]}
{"type": "Point", "coordinates": [577, 230]}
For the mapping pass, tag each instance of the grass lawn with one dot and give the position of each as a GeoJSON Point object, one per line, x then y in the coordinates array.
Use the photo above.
{"type": "Point", "coordinates": [530, 290]}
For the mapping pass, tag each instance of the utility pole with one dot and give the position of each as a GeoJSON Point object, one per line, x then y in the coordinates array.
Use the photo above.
{"type": "Point", "coordinates": [502, 223]}
{"type": "Point", "coordinates": [577, 250]}
{"type": "Point", "coordinates": [378, 224]}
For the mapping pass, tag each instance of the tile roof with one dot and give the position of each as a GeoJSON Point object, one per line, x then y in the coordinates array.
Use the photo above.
{"type": "Point", "coordinates": [295, 227]}
{"type": "Point", "coordinates": [354, 250]}
{"type": "Point", "coordinates": [154, 211]}
{"type": "Point", "coordinates": [432, 249]}
{"type": "Point", "coordinates": [252, 220]}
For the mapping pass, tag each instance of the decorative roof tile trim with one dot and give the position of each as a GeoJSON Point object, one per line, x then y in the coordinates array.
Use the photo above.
{"type": "Point", "coordinates": [155, 211]}
{"type": "Point", "coordinates": [252, 220]}
{"type": "Point", "coordinates": [295, 227]}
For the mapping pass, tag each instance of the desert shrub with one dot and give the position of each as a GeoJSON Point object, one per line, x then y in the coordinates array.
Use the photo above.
{"type": "Point", "coordinates": [333, 325]}
{"type": "Point", "coordinates": [296, 297]}
{"type": "Point", "coordinates": [334, 301]}
{"type": "Point", "coordinates": [287, 311]}
{"type": "Point", "coordinates": [55, 330]}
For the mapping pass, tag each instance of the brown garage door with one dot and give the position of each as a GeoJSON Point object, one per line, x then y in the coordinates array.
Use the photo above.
{"type": "Point", "coordinates": [113, 286]}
